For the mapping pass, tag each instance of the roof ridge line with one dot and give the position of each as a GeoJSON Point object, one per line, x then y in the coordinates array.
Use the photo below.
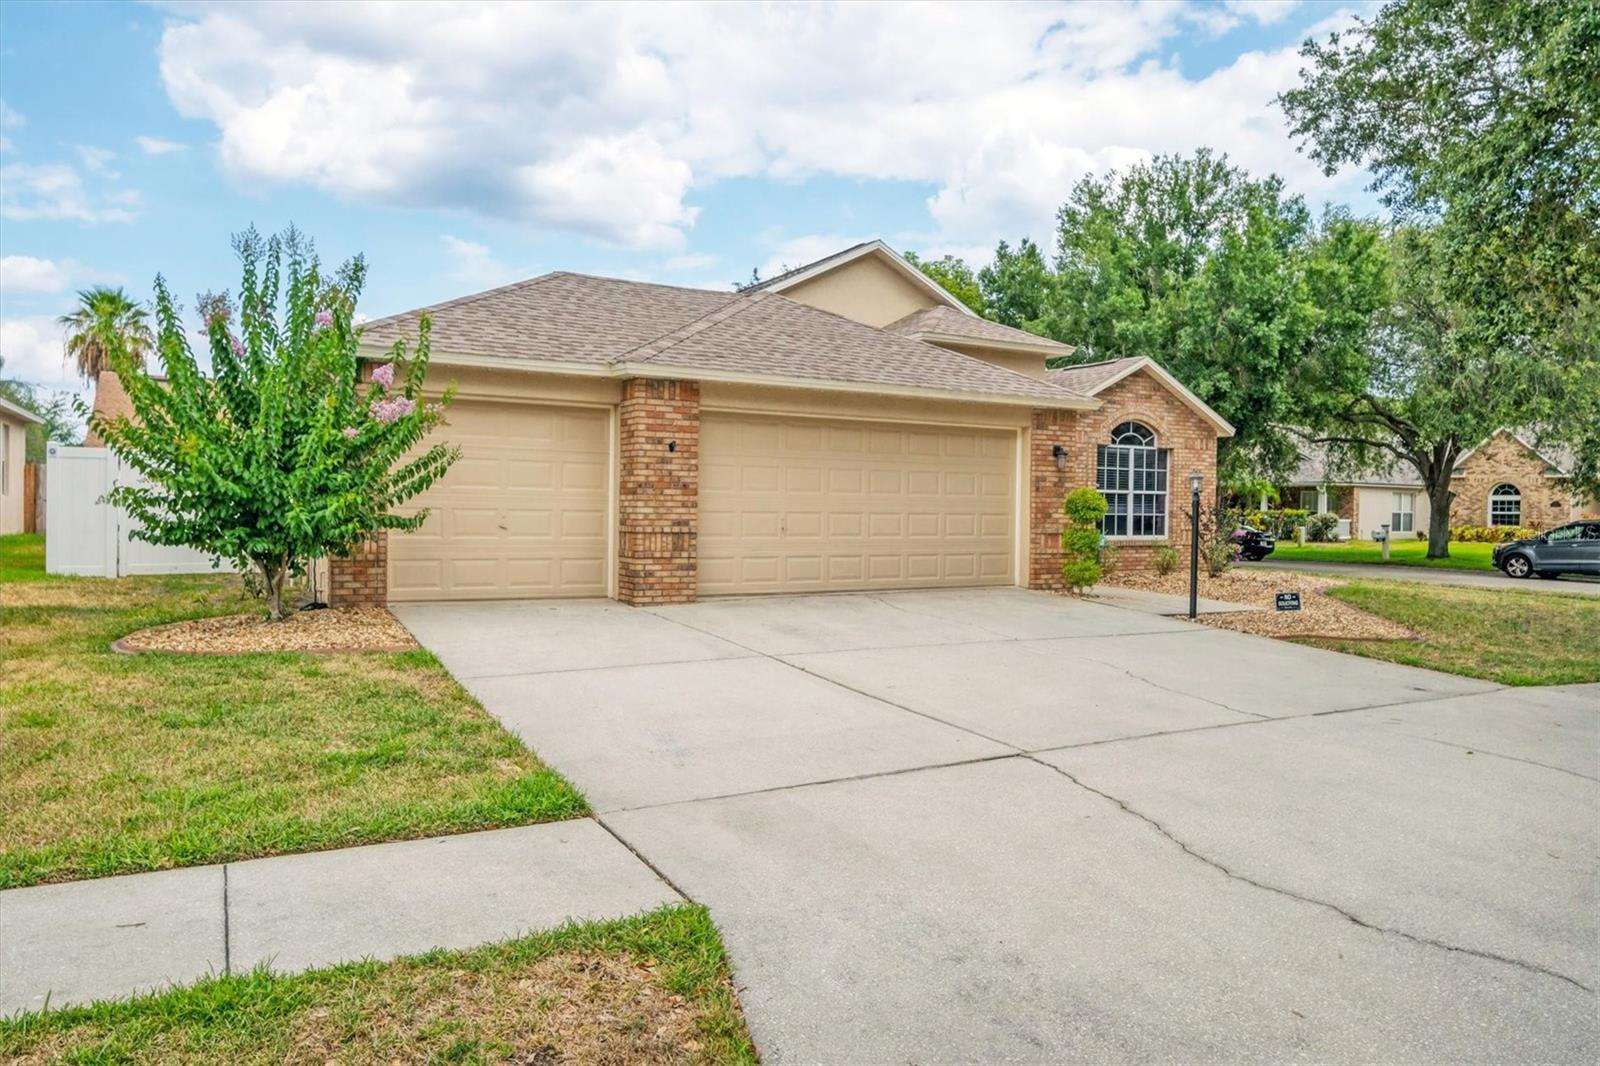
{"type": "Point", "coordinates": [738, 304]}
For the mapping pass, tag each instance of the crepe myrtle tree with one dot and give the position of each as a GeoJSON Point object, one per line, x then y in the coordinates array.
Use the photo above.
{"type": "Point", "coordinates": [282, 455]}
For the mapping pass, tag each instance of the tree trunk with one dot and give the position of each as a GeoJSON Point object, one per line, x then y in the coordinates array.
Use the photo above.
{"type": "Point", "coordinates": [272, 575]}
{"type": "Point", "coordinates": [1440, 496]}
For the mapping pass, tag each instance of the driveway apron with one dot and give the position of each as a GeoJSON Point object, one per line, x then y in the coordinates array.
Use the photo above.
{"type": "Point", "coordinates": [1003, 826]}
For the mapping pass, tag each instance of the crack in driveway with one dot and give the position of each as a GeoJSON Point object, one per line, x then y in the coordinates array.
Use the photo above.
{"type": "Point", "coordinates": [1350, 916]}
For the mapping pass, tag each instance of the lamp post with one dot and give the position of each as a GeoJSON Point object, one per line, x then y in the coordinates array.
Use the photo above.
{"type": "Point", "coordinates": [1195, 479]}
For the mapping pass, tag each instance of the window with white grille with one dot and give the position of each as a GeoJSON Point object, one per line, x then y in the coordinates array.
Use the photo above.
{"type": "Point", "coordinates": [1132, 474]}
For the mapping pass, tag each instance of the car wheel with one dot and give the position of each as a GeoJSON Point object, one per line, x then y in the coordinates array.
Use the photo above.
{"type": "Point", "coordinates": [1517, 566]}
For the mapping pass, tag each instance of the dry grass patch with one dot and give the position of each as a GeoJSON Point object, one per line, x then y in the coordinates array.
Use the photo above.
{"type": "Point", "coordinates": [1319, 616]}
{"type": "Point", "coordinates": [650, 990]}
{"type": "Point", "coordinates": [336, 629]}
{"type": "Point", "coordinates": [119, 763]}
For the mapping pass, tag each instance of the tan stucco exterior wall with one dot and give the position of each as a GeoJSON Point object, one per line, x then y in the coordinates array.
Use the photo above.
{"type": "Point", "coordinates": [1502, 459]}
{"type": "Point", "coordinates": [1030, 364]}
{"type": "Point", "coordinates": [866, 290]}
{"type": "Point", "coordinates": [15, 432]}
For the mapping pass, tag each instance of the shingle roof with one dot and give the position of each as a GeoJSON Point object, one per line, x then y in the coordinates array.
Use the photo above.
{"type": "Point", "coordinates": [768, 334]}
{"type": "Point", "coordinates": [575, 318]}
{"type": "Point", "coordinates": [1086, 377]}
{"type": "Point", "coordinates": [948, 322]}
{"type": "Point", "coordinates": [560, 317]}
{"type": "Point", "coordinates": [1314, 469]}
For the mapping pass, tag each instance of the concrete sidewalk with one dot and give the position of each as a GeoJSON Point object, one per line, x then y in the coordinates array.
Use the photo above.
{"type": "Point", "coordinates": [117, 936]}
{"type": "Point", "coordinates": [1567, 585]}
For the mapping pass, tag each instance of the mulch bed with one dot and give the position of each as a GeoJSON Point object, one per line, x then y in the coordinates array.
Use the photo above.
{"type": "Point", "coordinates": [337, 629]}
{"type": "Point", "coordinates": [1319, 615]}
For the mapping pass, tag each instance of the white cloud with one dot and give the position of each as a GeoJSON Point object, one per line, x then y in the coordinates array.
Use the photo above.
{"type": "Point", "coordinates": [9, 116]}
{"type": "Point", "coordinates": [603, 119]}
{"type": "Point", "coordinates": [791, 252]}
{"type": "Point", "coordinates": [158, 146]}
{"type": "Point", "coordinates": [31, 345]}
{"type": "Point", "coordinates": [476, 265]}
{"type": "Point", "coordinates": [26, 273]}
{"type": "Point", "coordinates": [97, 160]}
{"type": "Point", "coordinates": [56, 192]}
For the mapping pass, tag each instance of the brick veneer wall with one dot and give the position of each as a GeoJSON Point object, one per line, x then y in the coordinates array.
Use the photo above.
{"type": "Point", "coordinates": [362, 579]}
{"type": "Point", "coordinates": [1503, 459]}
{"type": "Point", "coordinates": [658, 491]}
{"type": "Point", "coordinates": [1138, 398]}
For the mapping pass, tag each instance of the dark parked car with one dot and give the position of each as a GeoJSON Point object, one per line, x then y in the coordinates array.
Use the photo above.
{"type": "Point", "coordinates": [1570, 549]}
{"type": "Point", "coordinates": [1254, 544]}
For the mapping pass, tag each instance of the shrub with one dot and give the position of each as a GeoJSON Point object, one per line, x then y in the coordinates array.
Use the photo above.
{"type": "Point", "coordinates": [1109, 559]}
{"type": "Point", "coordinates": [282, 455]}
{"type": "Point", "coordinates": [1166, 560]}
{"type": "Point", "coordinates": [1217, 550]}
{"type": "Point", "coordinates": [1322, 527]}
{"type": "Point", "coordinates": [1080, 540]}
{"type": "Point", "coordinates": [1489, 534]}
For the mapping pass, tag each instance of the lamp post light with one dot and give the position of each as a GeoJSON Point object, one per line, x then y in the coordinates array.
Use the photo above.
{"type": "Point", "coordinates": [1195, 480]}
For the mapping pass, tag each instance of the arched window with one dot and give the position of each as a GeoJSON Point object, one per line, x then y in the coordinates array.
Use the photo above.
{"type": "Point", "coordinates": [1131, 472]}
{"type": "Point", "coordinates": [1505, 506]}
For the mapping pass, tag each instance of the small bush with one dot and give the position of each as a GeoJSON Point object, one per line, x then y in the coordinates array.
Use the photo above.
{"type": "Point", "coordinates": [1080, 540]}
{"type": "Point", "coordinates": [1489, 534]}
{"type": "Point", "coordinates": [1109, 559]}
{"type": "Point", "coordinates": [1166, 560]}
{"type": "Point", "coordinates": [1217, 550]}
{"type": "Point", "coordinates": [1323, 527]}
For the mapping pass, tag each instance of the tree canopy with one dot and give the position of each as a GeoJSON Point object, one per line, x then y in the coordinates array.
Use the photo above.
{"type": "Point", "coordinates": [282, 455]}
{"type": "Point", "coordinates": [954, 275]}
{"type": "Point", "coordinates": [105, 319]}
{"type": "Point", "coordinates": [1220, 277]}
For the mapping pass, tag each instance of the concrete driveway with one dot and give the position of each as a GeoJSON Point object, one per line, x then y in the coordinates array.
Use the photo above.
{"type": "Point", "coordinates": [1005, 826]}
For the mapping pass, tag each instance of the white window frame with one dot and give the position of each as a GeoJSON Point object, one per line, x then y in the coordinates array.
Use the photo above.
{"type": "Point", "coordinates": [1132, 459]}
{"type": "Point", "coordinates": [5, 460]}
{"type": "Point", "coordinates": [1514, 497]}
{"type": "Point", "coordinates": [1403, 513]}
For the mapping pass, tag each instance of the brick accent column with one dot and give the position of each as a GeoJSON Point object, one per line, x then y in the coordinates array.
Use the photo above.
{"type": "Point", "coordinates": [658, 495]}
{"type": "Point", "coordinates": [1047, 487]}
{"type": "Point", "coordinates": [362, 579]}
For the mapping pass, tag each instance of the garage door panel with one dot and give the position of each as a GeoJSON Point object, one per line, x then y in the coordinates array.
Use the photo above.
{"type": "Point", "coordinates": [523, 513]}
{"type": "Point", "coordinates": [809, 506]}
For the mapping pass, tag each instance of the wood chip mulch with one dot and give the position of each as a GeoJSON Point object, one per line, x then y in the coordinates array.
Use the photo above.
{"type": "Point", "coordinates": [1319, 615]}
{"type": "Point", "coordinates": [334, 629]}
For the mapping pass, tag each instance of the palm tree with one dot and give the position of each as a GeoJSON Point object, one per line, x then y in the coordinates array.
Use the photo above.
{"type": "Point", "coordinates": [105, 319]}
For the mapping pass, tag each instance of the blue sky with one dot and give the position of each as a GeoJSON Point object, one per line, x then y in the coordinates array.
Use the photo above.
{"type": "Point", "coordinates": [462, 147]}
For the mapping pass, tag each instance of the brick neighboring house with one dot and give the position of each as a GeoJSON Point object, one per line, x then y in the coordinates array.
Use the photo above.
{"type": "Point", "coordinates": [1505, 481]}
{"type": "Point", "coordinates": [846, 426]}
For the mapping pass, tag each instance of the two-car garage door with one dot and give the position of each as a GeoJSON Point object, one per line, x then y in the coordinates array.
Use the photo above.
{"type": "Point", "coordinates": [786, 505]}
{"type": "Point", "coordinates": [807, 505]}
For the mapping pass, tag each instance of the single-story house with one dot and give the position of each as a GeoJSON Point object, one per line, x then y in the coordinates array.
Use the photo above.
{"type": "Point", "coordinates": [1504, 481]}
{"type": "Point", "coordinates": [14, 422]}
{"type": "Point", "coordinates": [847, 425]}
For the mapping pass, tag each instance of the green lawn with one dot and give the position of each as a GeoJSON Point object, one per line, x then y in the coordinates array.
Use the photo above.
{"type": "Point", "coordinates": [112, 763]}
{"type": "Point", "coordinates": [1513, 638]}
{"type": "Point", "coordinates": [22, 558]}
{"type": "Point", "coordinates": [651, 989]}
{"type": "Point", "coordinates": [1401, 553]}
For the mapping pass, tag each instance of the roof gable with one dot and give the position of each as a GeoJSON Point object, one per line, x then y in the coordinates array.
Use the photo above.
{"type": "Point", "coordinates": [17, 411]}
{"type": "Point", "coordinates": [1094, 378]}
{"type": "Point", "coordinates": [795, 283]}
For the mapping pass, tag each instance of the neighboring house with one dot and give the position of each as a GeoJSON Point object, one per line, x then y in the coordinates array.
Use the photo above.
{"type": "Point", "coordinates": [14, 423]}
{"type": "Point", "coordinates": [848, 425]}
{"type": "Point", "coordinates": [1505, 481]}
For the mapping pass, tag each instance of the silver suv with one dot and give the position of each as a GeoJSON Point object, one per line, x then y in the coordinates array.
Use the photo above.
{"type": "Point", "coordinates": [1570, 549]}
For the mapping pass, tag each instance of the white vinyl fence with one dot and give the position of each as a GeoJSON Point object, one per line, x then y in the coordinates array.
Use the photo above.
{"type": "Point", "coordinates": [88, 536]}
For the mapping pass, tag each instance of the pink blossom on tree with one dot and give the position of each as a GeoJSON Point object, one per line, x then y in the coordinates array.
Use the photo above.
{"type": "Point", "coordinates": [350, 432]}
{"type": "Point", "coordinates": [324, 319]}
{"type": "Point", "coordinates": [384, 375]}
{"type": "Point", "coordinates": [393, 408]}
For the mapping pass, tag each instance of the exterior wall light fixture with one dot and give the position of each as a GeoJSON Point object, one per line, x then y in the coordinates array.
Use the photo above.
{"type": "Point", "coordinates": [1059, 454]}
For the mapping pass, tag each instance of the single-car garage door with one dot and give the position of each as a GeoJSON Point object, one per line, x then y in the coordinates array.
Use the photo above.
{"type": "Point", "coordinates": [800, 505]}
{"type": "Point", "coordinates": [522, 513]}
